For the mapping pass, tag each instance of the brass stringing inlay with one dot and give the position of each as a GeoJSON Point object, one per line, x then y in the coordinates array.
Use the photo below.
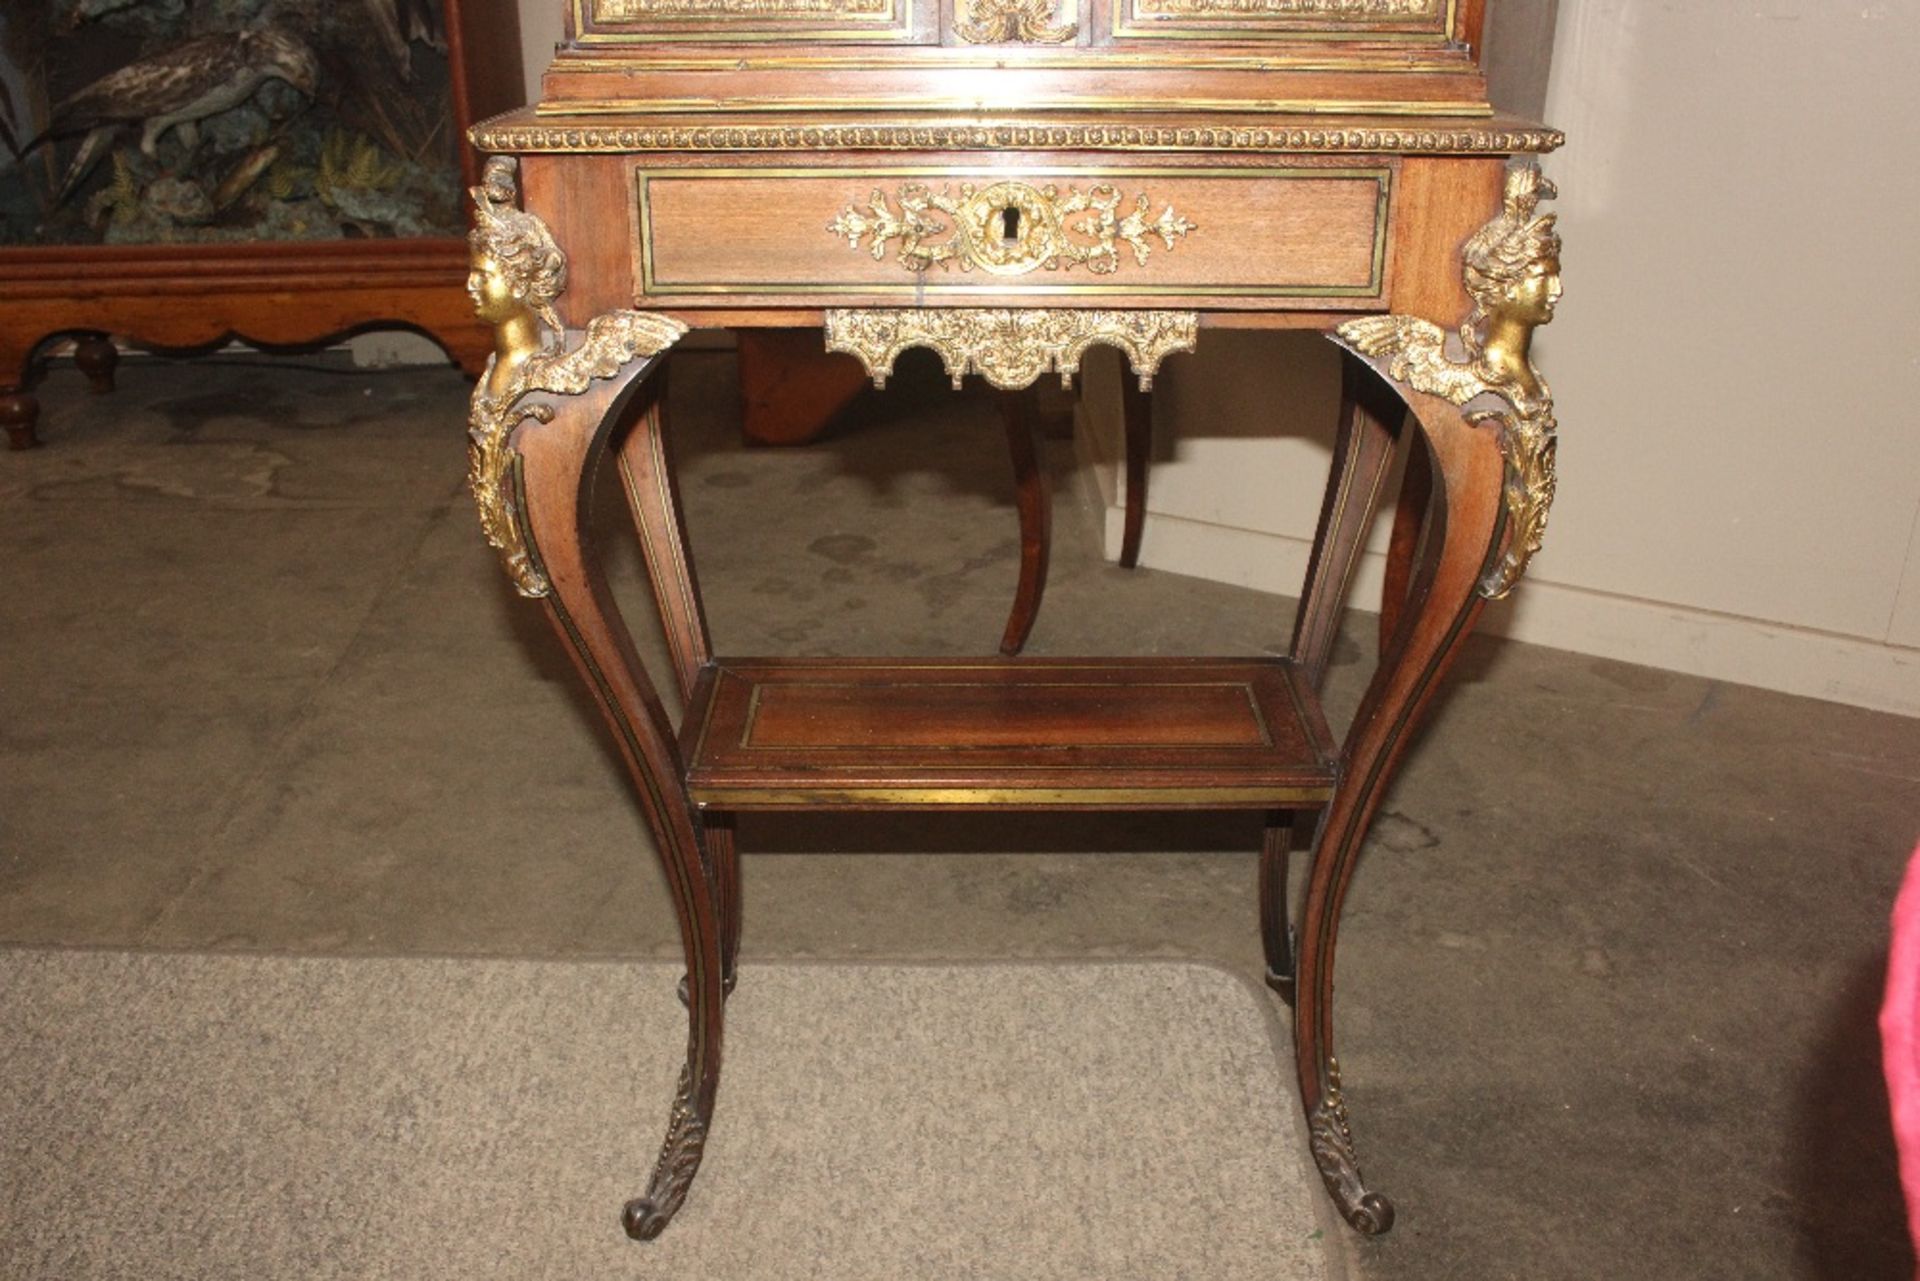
{"type": "Point", "coordinates": [632, 10]}
{"type": "Point", "coordinates": [1356, 10]}
{"type": "Point", "coordinates": [1010, 228]}
{"type": "Point", "coordinates": [518, 274]}
{"type": "Point", "coordinates": [1005, 21]}
{"type": "Point", "coordinates": [1512, 269]}
{"type": "Point", "coordinates": [1009, 347]}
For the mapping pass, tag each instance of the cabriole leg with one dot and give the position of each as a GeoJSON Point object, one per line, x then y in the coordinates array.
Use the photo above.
{"type": "Point", "coordinates": [1020, 412]}
{"type": "Point", "coordinates": [651, 484]}
{"type": "Point", "coordinates": [1370, 418]}
{"type": "Point", "coordinates": [1409, 521]}
{"type": "Point", "coordinates": [650, 481]}
{"type": "Point", "coordinates": [1490, 482]}
{"type": "Point", "coordinates": [724, 850]}
{"type": "Point", "coordinates": [1276, 921]}
{"type": "Point", "coordinates": [1136, 412]}
{"type": "Point", "coordinates": [1445, 599]}
{"type": "Point", "coordinates": [557, 460]}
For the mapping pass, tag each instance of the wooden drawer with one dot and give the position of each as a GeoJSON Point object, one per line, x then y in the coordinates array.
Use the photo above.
{"type": "Point", "coordinates": [1059, 235]}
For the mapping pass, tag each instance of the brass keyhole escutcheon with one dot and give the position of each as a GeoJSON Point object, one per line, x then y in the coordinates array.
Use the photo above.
{"type": "Point", "coordinates": [1010, 225]}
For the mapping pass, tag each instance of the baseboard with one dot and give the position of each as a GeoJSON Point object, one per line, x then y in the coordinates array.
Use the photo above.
{"type": "Point", "coordinates": [1745, 651]}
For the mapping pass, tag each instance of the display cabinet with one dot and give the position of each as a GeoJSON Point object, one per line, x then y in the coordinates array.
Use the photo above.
{"type": "Point", "coordinates": [176, 173]}
{"type": "Point", "coordinates": [1010, 183]}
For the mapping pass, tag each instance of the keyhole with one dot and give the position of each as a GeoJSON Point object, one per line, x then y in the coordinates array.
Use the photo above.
{"type": "Point", "coordinates": [1010, 225]}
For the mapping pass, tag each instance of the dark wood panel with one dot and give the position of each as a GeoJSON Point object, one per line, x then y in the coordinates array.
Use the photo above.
{"type": "Point", "coordinates": [795, 733]}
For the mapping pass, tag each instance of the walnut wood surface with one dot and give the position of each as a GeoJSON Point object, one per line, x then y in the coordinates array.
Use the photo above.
{"type": "Point", "coordinates": [652, 488]}
{"type": "Point", "coordinates": [269, 296]}
{"type": "Point", "coordinates": [1033, 500]}
{"type": "Point", "coordinates": [1363, 452]}
{"type": "Point", "coordinates": [591, 203]}
{"type": "Point", "coordinates": [790, 388]}
{"type": "Point", "coordinates": [1445, 602]}
{"type": "Point", "coordinates": [557, 466]}
{"type": "Point", "coordinates": [1276, 915]}
{"type": "Point", "coordinates": [1136, 416]}
{"type": "Point", "coordinates": [1268, 233]}
{"type": "Point", "coordinates": [1116, 734]}
{"type": "Point", "coordinates": [1409, 526]}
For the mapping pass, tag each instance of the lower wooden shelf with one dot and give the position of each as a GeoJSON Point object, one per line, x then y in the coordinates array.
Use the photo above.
{"type": "Point", "coordinates": [1145, 733]}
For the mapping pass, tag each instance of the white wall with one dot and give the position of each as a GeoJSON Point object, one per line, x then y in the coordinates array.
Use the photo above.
{"type": "Point", "coordinates": [542, 23]}
{"type": "Point", "coordinates": [1735, 362]}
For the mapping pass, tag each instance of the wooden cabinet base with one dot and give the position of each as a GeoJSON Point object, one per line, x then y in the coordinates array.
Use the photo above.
{"type": "Point", "coordinates": [292, 297]}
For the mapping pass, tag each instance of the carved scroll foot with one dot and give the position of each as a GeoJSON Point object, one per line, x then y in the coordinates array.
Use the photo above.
{"type": "Point", "coordinates": [646, 1217]}
{"type": "Point", "coordinates": [1330, 1138]}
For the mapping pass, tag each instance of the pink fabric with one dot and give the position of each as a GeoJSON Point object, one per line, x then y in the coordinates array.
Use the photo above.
{"type": "Point", "coordinates": [1900, 1038]}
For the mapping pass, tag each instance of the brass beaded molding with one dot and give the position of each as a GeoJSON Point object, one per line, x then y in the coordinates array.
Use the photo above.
{"type": "Point", "coordinates": [541, 138]}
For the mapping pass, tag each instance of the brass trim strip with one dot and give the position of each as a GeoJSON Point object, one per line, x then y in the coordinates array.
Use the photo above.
{"type": "Point", "coordinates": [900, 35]}
{"type": "Point", "coordinates": [741, 797]}
{"type": "Point", "coordinates": [1246, 687]}
{"type": "Point", "coordinates": [1008, 136]}
{"type": "Point", "coordinates": [1260, 106]}
{"type": "Point", "coordinates": [919, 286]}
{"type": "Point", "coordinates": [924, 57]}
{"type": "Point", "coordinates": [898, 25]}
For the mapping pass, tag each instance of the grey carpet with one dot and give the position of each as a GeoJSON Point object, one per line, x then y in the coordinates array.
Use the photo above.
{"type": "Point", "coordinates": [213, 1117]}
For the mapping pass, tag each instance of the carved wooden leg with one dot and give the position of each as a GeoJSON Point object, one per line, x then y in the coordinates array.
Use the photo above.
{"type": "Point", "coordinates": [724, 851]}
{"type": "Point", "coordinates": [1409, 520]}
{"type": "Point", "coordinates": [1276, 925]}
{"type": "Point", "coordinates": [1136, 411]}
{"type": "Point", "coordinates": [648, 478]}
{"type": "Point", "coordinates": [1445, 599]}
{"type": "Point", "coordinates": [651, 483]}
{"type": "Point", "coordinates": [790, 389]}
{"type": "Point", "coordinates": [1370, 418]}
{"type": "Point", "coordinates": [19, 408]}
{"type": "Point", "coordinates": [555, 479]}
{"type": "Point", "coordinates": [19, 414]}
{"type": "Point", "coordinates": [97, 357]}
{"type": "Point", "coordinates": [1021, 414]}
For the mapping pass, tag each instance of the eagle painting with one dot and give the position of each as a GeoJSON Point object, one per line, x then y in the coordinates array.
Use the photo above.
{"type": "Point", "coordinates": [325, 49]}
{"type": "Point", "coordinates": [176, 87]}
